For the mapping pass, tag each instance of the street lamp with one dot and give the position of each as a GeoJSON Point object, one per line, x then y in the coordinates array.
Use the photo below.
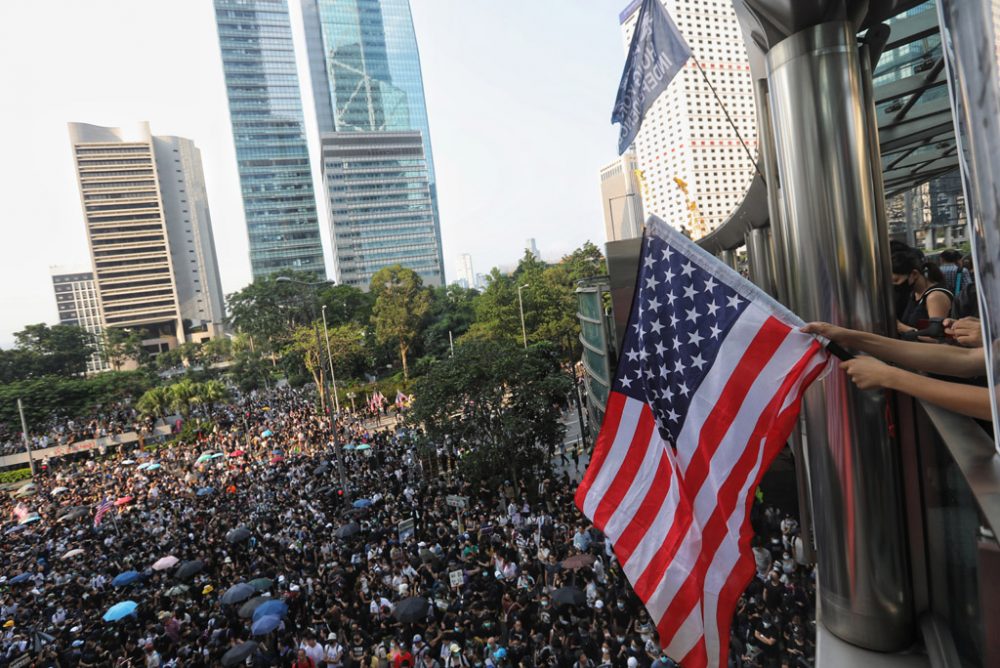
{"type": "Point", "coordinates": [329, 358]}
{"type": "Point", "coordinates": [333, 422]}
{"type": "Point", "coordinates": [520, 305]}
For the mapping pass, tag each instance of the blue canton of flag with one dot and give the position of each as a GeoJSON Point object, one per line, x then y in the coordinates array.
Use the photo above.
{"type": "Point", "coordinates": [657, 53]}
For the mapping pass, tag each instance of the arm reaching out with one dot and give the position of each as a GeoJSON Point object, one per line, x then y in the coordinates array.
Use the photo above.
{"type": "Point", "coordinates": [869, 373]}
{"type": "Point", "coordinates": [939, 359]}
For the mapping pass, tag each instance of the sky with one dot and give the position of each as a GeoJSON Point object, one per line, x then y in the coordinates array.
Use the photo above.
{"type": "Point", "coordinates": [519, 96]}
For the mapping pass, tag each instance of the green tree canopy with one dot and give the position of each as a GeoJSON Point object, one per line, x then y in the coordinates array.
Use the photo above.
{"type": "Point", "coordinates": [268, 310]}
{"type": "Point", "coordinates": [401, 303]}
{"type": "Point", "coordinates": [499, 402]}
{"type": "Point", "coordinates": [61, 350]}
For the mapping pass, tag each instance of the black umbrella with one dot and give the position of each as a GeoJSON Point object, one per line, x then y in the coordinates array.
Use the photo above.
{"type": "Point", "coordinates": [569, 596]}
{"type": "Point", "coordinates": [238, 593]}
{"type": "Point", "coordinates": [248, 608]}
{"type": "Point", "coordinates": [321, 469]}
{"type": "Point", "coordinates": [75, 513]}
{"type": "Point", "coordinates": [238, 654]}
{"type": "Point", "coordinates": [238, 535]}
{"type": "Point", "coordinates": [348, 530]}
{"type": "Point", "coordinates": [188, 569]}
{"type": "Point", "coordinates": [410, 610]}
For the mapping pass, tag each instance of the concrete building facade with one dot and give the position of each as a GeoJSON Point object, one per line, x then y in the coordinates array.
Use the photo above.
{"type": "Point", "coordinates": [621, 198]}
{"type": "Point", "coordinates": [685, 134]}
{"type": "Point", "coordinates": [77, 305]}
{"type": "Point", "coordinates": [380, 205]}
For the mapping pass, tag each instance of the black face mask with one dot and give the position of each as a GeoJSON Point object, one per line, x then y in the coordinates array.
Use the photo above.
{"type": "Point", "coordinates": [900, 293]}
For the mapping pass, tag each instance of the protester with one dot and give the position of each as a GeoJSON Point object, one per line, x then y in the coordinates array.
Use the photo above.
{"type": "Point", "coordinates": [494, 585]}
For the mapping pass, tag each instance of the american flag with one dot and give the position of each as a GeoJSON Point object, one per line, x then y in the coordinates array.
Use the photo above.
{"type": "Point", "coordinates": [707, 391]}
{"type": "Point", "coordinates": [102, 509]}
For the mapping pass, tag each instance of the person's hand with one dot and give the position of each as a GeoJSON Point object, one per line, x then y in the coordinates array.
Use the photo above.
{"type": "Point", "coordinates": [966, 331]}
{"type": "Point", "coordinates": [827, 331]}
{"type": "Point", "coordinates": [903, 329]}
{"type": "Point", "coordinates": [868, 373]}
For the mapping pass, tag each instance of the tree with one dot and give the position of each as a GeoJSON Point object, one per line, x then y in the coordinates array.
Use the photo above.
{"type": "Point", "coordinates": [119, 345]}
{"type": "Point", "coordinates": [61, 350]}
{"type": "Point", "coordinates": [453, 311]}
{"type": "Point", "coordinates": [155, 402]}
{"type": "Point", "coordinates": [499, 403]}
{"type": "Point", "coordinates": [217, 350]}
{"type": "Point", "coordinates": [401, 302]}
{"type": "Point", "coordinates": [268, 310]}
{"type": "Point", "coordinates": [346, 304]}
{"type": "Point", "coordinates": [306, 346]}
{"type": "Point", "coordinates": [183, 396]}
{"type": "Point", "coordinates": [212, 392]}
{"type": "Point", "coordinates": [250, 370]}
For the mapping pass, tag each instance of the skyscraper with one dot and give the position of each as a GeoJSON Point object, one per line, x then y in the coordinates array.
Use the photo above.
{"type": "Point", "coordinates": [380, 205]}
{"type": "Point", "coordinates": [149, 231]}
{"type": "Point", "coordinates": [532, 247]}
{"type": "Point", "coordinates": [365, 70]}
{"type": "Point", "coordinates": [621, 198]}
{"type": "Point", "coordinates": [265, 109]}
{"type": "Point", "coordinates": [466, 276]}
{"type": "Point", "coordinates": [685, 134]}
{"type": "Point", "coordinates": [77, 305]}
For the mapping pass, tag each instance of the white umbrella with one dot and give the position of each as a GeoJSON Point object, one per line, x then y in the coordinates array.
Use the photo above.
{"type": "Point", "coordinates": [126, 462]}
{"type": "Point", "coordinates": [59, 490]}
{"type": "Point", "coordinates": [72, 553]}
{"type": "Point", "coordinates": [165, 563]}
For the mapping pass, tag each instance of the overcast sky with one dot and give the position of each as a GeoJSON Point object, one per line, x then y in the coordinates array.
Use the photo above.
{"type": "Point", "coordinates": [519, 96]}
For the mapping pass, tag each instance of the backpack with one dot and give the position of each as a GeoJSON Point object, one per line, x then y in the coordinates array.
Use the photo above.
{"type": "Point", "coordinates": [966, 302]}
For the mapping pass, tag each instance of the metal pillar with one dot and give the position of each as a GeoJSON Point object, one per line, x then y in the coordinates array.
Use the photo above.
{"type": "Point", "coordinates": [769, 166]}
{"type": "Point", "coordinates": [758, 242]}
{"type": "Point", "coordinates": [835, 256]}
{"type": "Point", "coordinates": [729, 257]}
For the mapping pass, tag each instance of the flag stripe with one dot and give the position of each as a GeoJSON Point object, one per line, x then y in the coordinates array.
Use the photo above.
{"type": "Point", "coordinates": [637, 451]}
{"type": "Point", "coordinates": [605, 438]}
{"type": "Point", "coordinates": [645, 514]}
{"type": "Point", "coordinates": [628, 421]}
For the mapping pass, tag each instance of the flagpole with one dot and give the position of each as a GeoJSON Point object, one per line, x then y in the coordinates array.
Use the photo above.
{"type": "Point", "coordinates": [728, 118]}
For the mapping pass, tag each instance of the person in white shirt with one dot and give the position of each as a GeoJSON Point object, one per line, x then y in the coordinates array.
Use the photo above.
{"type": "Point", "coordinates": [334, 652]}
{"type": "Point", "coordinates": [312, 649]}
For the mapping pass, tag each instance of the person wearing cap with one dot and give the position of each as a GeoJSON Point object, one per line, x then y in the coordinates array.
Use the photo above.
{"type": "Point", "coordinates": [333, 652]}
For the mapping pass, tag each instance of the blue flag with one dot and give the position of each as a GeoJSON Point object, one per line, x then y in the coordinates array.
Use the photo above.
{"type": "Point", "coordinates": [656, 55]}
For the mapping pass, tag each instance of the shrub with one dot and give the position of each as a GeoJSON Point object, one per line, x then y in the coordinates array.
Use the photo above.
{"type": "Point", "coordinates": [14, 475]}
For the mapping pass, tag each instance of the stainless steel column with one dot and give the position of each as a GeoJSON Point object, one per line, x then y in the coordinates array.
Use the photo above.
{"type": "Point", "coordinates": [836, 271]}
{"type": "Point", "coordinates": [758, 242]}
{"type": "Point", "coordinates": [729, 257]}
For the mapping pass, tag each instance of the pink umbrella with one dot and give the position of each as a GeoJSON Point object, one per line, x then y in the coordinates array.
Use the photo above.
{"type": "Point", "coordinates": [165, 563]}
{"type": "Point", "coordinates": [123, 500]}
{"type": "Point", "coordinates": [237, 453]}
{"type": "Point", "coordinates": [276, 459]}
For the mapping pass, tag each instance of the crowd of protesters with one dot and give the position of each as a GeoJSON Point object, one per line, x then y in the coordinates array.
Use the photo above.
{"type": "Point", "coordinates": [382, 573]}
{"type": "Point", "coordinates": [115, 420]}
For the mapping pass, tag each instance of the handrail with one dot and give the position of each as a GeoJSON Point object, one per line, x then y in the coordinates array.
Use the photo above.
{"type": "Point", "coordinates": [976, 456]}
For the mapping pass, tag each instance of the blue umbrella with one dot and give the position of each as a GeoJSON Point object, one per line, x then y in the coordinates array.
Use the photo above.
{"type": "Point", "coordinates": [265, 625]}
{"type": "Point", "coordinates": [362, 503]}
{"type": "Point", "coordinates": [277, 451]}
{"type": "Point", "coordinates": [33, 517]}
{"type": "Point", "coordinates": [276, 608]}
{"type": "Point", "coordinates": [349, 446]}
{"type": "Point", "coordinates": [18, 579]}
{"type": "Point", "coordinates": [363, 447]}
{"type": "Point", "coordinates": [15, 528]}
{"type": "Point", "coordinates": [143, 467]}
{"type": "Point", "coordinates": [266, 433]}
{"type": "Point", "coordinates": [217, 455]}
{"type": "Point", "coordinates": [153, 467]}
{"type": "Point", "coordinates": [125, 579]}
{"type": "Point", "coordinates": [119, 610]}
{"type": "Point", "coordinates": [205, 491]}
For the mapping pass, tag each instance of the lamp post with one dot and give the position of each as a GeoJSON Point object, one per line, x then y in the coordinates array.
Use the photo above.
{"type": "Point", "coordinates": [333, 420]}
{"type": "Point", "coordinates": [27, 439]}
{"type": "Point", "coordinates": [329, 358]}
{"type": "Point", "coordinates": [520, 306]}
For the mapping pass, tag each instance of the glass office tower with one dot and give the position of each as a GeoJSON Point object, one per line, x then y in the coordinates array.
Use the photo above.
{"type": "Point", "coordinates": [365, 71]}
{"type": "Point", "coordinates": [265, 108]}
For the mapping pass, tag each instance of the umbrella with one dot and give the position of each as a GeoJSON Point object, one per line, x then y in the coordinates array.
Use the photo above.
{"type": "Point", "coordinates": [188, 569]}
{"type": "Point", "coordinates": [569, 596]}
{"type": "Point", "coordinates": [127, 462]}
{"type": "Point", "coordinates": [153, 466]}
{"type": "Point", "coordinates": [238, 535]}
{"type": "Point", "coordinates": [261, 584]}
{"type": "Point", "coordinates": [124, 500]}
{"type": "Point", "coordinates": [277, 451]}
{"type": "Point", "coordinates": [177, 590]}
{"type": "Point", "coordinates": [26, 490]}
{"type": "Point", "coordinates": [266, 433]}
{"type": "Point", "coordinates": [59, 490]}
{"type": "Point", "coordinates": [348, 530]}
{"type": "Point", "coordinates": [277, 459]}
{"type": "Point", "coordinates": [28, 519]}
{"type": "Point", "coordinates": [363, 447]}
{"type": "Point", "coordinates": [265, 625]}
{"type": "Point", "coordinates": [18, 579]}
{"type": "Point", "coordinates": [71, 554]}
{"type": "Point", "coordinates": [119, 610]}
{"type": "Point", "coordinates": [217, 455]}
{"type": "Point", "coordinates": [238, 593]}
{"type": "Point", "coordinates": [272, 607]}
{"type": "Point", "coordinates": [75, 514]}
{"type": "Point", "coordinates": [165, 563]}
{"type": "Point", "coordinates": [143, 455]}
{"type": "Point", "coordinates": [125, 579]}
{"type": "Point", "coordinates": [578, 561]}
{"type": "Point", "coordinates": [250, 607]}
{"type": "Point", "coordinates": [410, 610]}
{"type": "Point", "coordinates": [321, 469]}
{"type": "Point", "coordinates": [349, 446]}
{"type": "Point", "coordinates": [205, 456]}
{"type": "Point", "coordinates": [143, 467]}
{"type": "Point", "coordinates": [237, 453]}
{"type": "Point", "coordinates": [14, 529]}
{"type": "Point", "coordinates": [205, 491]}
{"type": "Point", "coordinates": [362, 503]}
{"type": "Point", "coordinates": [238, 654]}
